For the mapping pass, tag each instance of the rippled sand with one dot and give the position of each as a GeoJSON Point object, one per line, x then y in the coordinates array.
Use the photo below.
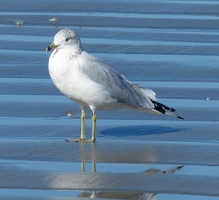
{"type": "Point", "coordinates": [169, 46]}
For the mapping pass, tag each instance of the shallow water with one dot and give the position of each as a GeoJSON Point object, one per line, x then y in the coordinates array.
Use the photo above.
{"type": "Point", "coordinates": [168, 46]}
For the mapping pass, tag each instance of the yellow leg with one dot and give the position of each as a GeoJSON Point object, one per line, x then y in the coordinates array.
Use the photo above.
{"type": "Point", "coordinates": [93, 138]}
{"type": "Point", "coordinates": [83, 116]}
{"type": "Point", "coordinates": [83, 138]}
{"type": "Point", "coordinates": [94, 119]}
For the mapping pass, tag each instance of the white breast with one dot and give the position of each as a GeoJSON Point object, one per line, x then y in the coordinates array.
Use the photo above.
{"type": "Point", "coordinates": [69, 78]}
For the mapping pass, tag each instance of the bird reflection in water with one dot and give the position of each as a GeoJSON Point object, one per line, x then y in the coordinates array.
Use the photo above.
{"type": "Point", "coordinates": [123, 194]}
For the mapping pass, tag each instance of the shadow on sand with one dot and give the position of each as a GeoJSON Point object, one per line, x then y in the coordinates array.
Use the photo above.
{"type": "Point", "coordinates": [139, 130]}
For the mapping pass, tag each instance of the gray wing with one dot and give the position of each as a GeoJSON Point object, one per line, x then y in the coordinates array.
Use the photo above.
{"type": "Point", "coordinates": [120, 88]}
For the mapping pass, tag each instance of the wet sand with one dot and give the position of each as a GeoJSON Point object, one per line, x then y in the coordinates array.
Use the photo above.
{"type": "Point", "coordinates": [168, 46]}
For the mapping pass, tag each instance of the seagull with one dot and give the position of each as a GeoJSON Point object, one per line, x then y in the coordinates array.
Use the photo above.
{"type": "Point", "coordinates": [91, 83]}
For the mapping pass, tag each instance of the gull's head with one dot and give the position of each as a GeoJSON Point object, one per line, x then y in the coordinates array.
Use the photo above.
{"type": "Point", "coordinates": [65, 38]}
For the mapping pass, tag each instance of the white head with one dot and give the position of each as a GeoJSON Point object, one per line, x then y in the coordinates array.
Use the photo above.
{"type": "Point", "coordinates": [65, 38]}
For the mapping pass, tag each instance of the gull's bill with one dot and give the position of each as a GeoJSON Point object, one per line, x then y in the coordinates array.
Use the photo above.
{"type": "Point", "coordinates": [51, 47]}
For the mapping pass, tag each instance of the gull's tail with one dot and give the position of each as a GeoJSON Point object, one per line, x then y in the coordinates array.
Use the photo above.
{"type": "Point", "coordinates": [161, 108]}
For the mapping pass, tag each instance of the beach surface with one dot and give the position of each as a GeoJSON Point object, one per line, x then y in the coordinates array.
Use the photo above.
{"type": "Point", "coordinates": [171, 47]}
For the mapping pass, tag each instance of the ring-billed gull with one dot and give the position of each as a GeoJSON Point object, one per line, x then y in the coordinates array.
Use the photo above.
{"type": "Point", "coordinates": [91, 83]}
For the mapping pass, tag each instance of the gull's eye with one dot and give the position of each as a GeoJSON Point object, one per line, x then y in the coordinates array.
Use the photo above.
{"type": "Point", "coordinates": [67, 39]}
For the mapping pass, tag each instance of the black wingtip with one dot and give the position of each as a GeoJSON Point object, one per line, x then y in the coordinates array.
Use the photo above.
{"type": "Point", "coordinates": [180, 117]}
{"type": "Point", "coordinates": [165, 109]}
